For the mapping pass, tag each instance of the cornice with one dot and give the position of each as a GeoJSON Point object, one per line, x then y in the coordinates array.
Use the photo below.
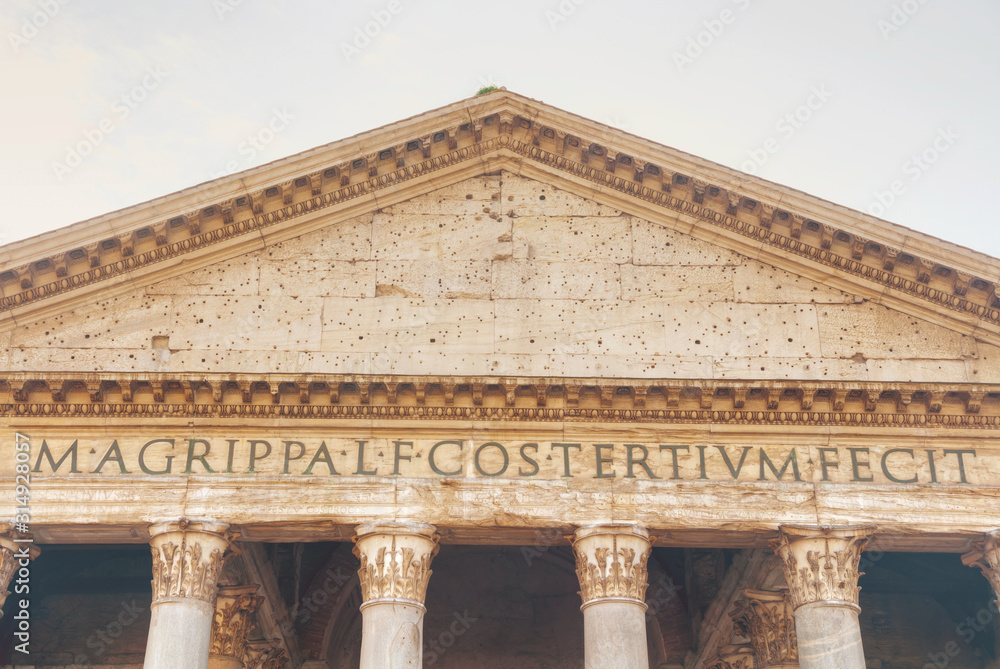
{"type": "Point", "coordinates": [320, 397]}
{"type": "Point", "coordinates": [912, 272]}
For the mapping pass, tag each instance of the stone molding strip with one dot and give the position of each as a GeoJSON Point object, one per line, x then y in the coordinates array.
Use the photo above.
{"type": "Point", "coordinates": [535, 399]}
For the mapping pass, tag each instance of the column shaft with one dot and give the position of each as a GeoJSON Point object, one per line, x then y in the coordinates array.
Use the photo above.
{"type": "Point", "coordinates": [187, 560]}
{"type": "Point", "coordinates": [395, 570]}
{"type": "Point", "coordinates": [821, 567]}
{"type": "Point", "coordinates": [829, 636]}
{"type": "Point", "coordinates": [611, 566]}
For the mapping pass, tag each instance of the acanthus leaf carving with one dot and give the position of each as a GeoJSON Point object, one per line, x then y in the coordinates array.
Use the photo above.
{"type": "Point", "coordinates": [611, 562]}
{"type": "Point", "coordinates": [766, 619]}
{"type": "Point", "coordinates": [985, 555]}
{"type": "Point", "coordinates": [187, 559]}
{"type": "Point", "coordinates": [822, 563]}
{"type": "Point", "coordinates": [231, 623]}
{"type": "Point", "coordinates": [395, 561]}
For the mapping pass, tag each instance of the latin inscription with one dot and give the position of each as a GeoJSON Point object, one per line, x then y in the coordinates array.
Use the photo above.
{"type": "Point", "coordinates": [551, 460]}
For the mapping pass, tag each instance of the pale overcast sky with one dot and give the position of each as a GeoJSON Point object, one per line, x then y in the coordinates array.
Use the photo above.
{"type": "Point", "coordinates": [845, 100]}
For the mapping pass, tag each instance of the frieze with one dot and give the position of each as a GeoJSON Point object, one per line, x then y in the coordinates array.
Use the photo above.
{"type": "Point", "coordinates": [309, 456]}
{"type": "Point", "coordinates": [637, 177]}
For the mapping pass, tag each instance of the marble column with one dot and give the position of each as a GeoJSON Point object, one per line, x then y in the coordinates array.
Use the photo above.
{"type": "Point", "coordinates": [395, 569]}
{"type": "Point", "coordinates": [187, 559]}
{"type": "Point", "coordinates": [611, 565]}
{"type": "Point", "coordinates": [985, 555]}
{"type": "Point", "coordinates": [767, 620]}
{"type": "Point", "coordinates": [821, 568]}
{"type": "Point", "coordinates": [231, 625]}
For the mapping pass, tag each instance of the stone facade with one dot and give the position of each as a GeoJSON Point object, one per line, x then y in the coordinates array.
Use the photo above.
{"type": "Point", "coordinates": [581, 360]}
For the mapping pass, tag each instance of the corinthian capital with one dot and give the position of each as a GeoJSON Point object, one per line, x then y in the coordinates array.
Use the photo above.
{"type": "Point", "coordinates": [821, 563]}
{"type": "Point", "coordinates": [766, 619]}
{"type": "Point", "coordinates": [187, 558]}
{"type": "Point", "coordinates": [395, 561]}
{"type": "Point", "coordinates": [985, 555]}
{"type": "Point", "coordinates": [231, 624]}
{"type": "Point", "coordinates": [611, 562]}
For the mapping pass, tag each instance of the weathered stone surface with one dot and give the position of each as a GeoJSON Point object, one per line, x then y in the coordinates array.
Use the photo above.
{"type": "Point", "coordinates": [480, 195]}
{"type": "Point", "coordinates": [527, 197]}
{"type": "Point", "coordinates": [819, 369]}
{"type": "Point", "coordinates": [927, 371]}
{"type": "Point", "coordinates": [240, 276]}
{"type": "Point", "coordinates": [5, 360]}
{"type": "Point", "coordinates": [317, 278]}
{"type": "Point", "coordinates": [565, 286]}
{"type": "Point", "coordinates": [459, 279]}
{"type": "Point", "coordinates": [871, 331]}
{"type": "Point", "coordinates": [829, 638]}
{"type": "Point", "coordinates": [515, 279]}
{"type": "Point", "coordinates": [652, 244]}
{"type": "Point", "coordinates": [397, 324]}
{"type": "Point", "coordinates": [346, 240]}
{"type": "Point", "coordinates": [109, 359]}
{"type": "Point", "coordinates": [590, 326]}
{"type": "Point", "coordinates": [125, 322]}
{"type": "Point", "coordinates": [573, 238]}
{"type": "Point", "coordinates": [259, 323]}
{"type": "Point", "coordinates": [984, 367]}
{"type": "Point", "coordinates": [687, 283]}
{"type": "Point", "coordinates": [441, 237]}
{"type": "Point", "coordinates": [759, 283]}
{"type": "Point", "coordinates": [741, 330]}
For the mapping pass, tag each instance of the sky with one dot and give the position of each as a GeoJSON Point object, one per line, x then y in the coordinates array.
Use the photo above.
{"type": "Point", "coordinates": [889, 107]}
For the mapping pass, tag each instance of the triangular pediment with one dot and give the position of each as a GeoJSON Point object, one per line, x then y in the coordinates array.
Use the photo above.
{"type": "Point", "coordinates": [500, 275]}
{"type": "Point", "coordinates": [505, 202]}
